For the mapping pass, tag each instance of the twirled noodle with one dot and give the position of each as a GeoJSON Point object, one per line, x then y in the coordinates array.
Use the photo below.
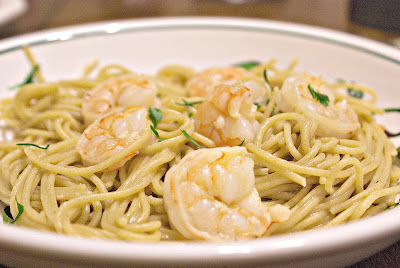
{"type": "Point", "coordinates": [324, 180]}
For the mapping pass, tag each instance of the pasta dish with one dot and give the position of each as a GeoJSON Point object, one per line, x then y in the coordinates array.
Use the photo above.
{"type": "Point", "coordinates": [225, 153]}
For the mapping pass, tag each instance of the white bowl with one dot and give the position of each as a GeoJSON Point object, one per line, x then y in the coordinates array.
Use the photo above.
{"type": "Point", "coordinates": [147, 44]}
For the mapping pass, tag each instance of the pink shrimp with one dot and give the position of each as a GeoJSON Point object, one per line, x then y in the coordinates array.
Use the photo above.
{"type": "Point", "coordinates": [112, 133]}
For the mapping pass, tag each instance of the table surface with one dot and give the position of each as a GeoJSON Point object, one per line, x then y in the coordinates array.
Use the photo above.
{"type": "Point", "coordinates": [45, 14]}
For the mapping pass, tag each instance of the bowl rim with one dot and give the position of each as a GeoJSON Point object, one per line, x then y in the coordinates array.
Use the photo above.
{"type": "Point", "coordinates": [273, 248]}
{"type": "Point", "coordinates": [65, 33]}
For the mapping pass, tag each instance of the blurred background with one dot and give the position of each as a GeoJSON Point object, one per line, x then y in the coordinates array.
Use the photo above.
{"type": "Point", "coordinates": [374, 19]}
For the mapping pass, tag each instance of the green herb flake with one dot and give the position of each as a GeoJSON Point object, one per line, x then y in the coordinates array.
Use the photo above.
{"type": "Point", "coordinates": [266, 77]}
{"type": "Point", "coordinates": [34, 145]}
{"type": "Point", "coordinates": [242, 142]}
{"type": "Point", "coordinates": [267, 102]}
{"type": "Point", "coordinates": [257, 104]}
{"type": "Point", "coordinates": [388, 110]}
{"type": "Point", "coordinates": [248, 65]}
{"type": "Point", "coordinates": [322, 98]}
{"type": "Point", "coordinates": [28, 79]}
{"type": "Point", "coordinates": [186, 103]}
{"type": "Point", "coordinates": [398, 152]}
{"type": "Point", "coordinates": [358, 94]}
{"type": "Point", "coordinates": [391, 135]}
{"type": "Point", "coordinates": [156, 134]}
{"type": "Point", "coordinates": [190, 115]}
{"type": "Point", "coordinates": [20, 211]}
{"type": "Point", "coordinates": [191, 139]}
{"type": "Point", "coordinates": [155, 115]}
{"type": "Point", "coordinates": [393, 206]}
{"type": "Point", "coordinates": [340, 81]}
{"type": "Point", "coordinates": [5, 217]}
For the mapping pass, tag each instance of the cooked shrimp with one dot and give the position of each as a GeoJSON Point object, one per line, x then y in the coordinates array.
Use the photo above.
{"type": "Point", "coordinates": [123, 91]}
{"type": "Point", "coordinates": [111, 134]}
{"type": "Point", "coordinates": [227, 116]}
{"type": "Point", "coordinates": [210, 195]}
{"type": "Point", "coordinates": [336, 119]}
{"type": "Point", "coordinates": [202, 84]}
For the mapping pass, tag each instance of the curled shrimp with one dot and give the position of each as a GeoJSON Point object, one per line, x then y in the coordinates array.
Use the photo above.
{"type": "Point", "coordinates": [203, 83]}
{"type": "Point", "coordinates": [336, 119]}
{"type": "Point", "coordinates": [112, 133]}
{"type": "Point", "coordinates": [122, 91]}
{"type": "Point", "coordinates": [227, 116]}
{"type": "Point", "coordinates": [210, 195]}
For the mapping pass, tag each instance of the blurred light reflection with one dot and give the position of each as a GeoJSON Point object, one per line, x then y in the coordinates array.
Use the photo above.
{"type": "Point", "coordinates": [233, 249]}
{"type": "Point", "coordinates": [61, 36]}
{"type": "Point", "coordinates": [285, 244]}
{"type": "Point", "coordinates": [290, 243]}
{"type": "Point", "coordinates": [112, 28]}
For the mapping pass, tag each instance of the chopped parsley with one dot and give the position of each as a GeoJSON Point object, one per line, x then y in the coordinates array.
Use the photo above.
{"type": "Point", "coordinates": [190, 115]}
{"type": "Point", "coordinates": [392, 206]}
{"type": "Point", "coordinates": [267, 102]}
{"type": "Point", "coordinates": [388, 110]}
{"type": "Point", "coordinates": [266, 77]}
{"type": "Point", "coordinates": [322, 98]}
{"type": "Point", "coordinates": [156, 134]}
{"type": "Point", "coordinates": [186, 103]}
{"type": "Point", "coordinates": [34, 145]}
{"type": "Point", "coordinates": [5, 217]}
{"type": "Point", "coordinates": [248, 65]}
{"type": "Point", "coordinates": [358, 94]}
{"type": "Point", "coordinates": [390, 134]}
{"type": "Point", "coordinates": [257, 104]}
{"type": "Point", "coordinates": [191, 139]}
{"type": "Point", "coordinates": [28, 79]}
{"type": "Point", "coordinates": [398, 152]}
{"type": "Point", "coordinates": [20, 211]}
{"type": "Point", "coordinates": [155, 115]}
{"type": "Point", "coordinates": [242, 142]}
